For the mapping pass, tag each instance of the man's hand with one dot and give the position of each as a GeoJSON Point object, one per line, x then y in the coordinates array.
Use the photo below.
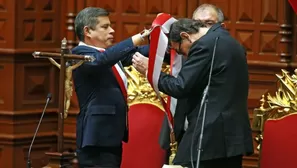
{"type": "Point", "coordinates": [140, 63]}
{"type": "Point", "coordinates": [146, 32]}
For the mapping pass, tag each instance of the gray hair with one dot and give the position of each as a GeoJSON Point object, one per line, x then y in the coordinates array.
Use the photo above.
{"type": "Point", "coordinates": [87, 17]}
{"type": "Point", "coordinates": [219, 12]}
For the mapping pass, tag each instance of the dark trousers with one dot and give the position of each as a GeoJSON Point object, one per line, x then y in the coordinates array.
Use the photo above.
{"type": "Point", "coordinates": [230, 162]}
{"type": "Point", "coordinates": [100, 157]}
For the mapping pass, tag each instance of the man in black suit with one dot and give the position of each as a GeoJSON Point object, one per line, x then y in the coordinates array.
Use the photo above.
{"type": "Point", "coordinates": [100, 88]}
{"type": "Point", "coordinates": [227, 133]}
{"type": "Point", "coordinates": [208, 14]}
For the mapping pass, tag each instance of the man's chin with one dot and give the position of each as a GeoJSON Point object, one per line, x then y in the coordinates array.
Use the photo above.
{"type": "Point", "coordinates": [109, 44]}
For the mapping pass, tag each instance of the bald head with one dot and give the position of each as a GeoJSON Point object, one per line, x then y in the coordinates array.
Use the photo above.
{"type": "Point", "coordinates": [209, 14]}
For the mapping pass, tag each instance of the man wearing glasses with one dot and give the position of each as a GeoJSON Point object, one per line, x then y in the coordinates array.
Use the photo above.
{"type": "Point", "coordinates": [208, 14]}
{"type": "Point", "coordinates": [227, 133]}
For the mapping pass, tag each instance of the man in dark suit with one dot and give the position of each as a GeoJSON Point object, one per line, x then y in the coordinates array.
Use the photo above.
{"type": "Point", "coordinates": [100, 88]}
{"type": "Point", "coordinates": [227, 133]}
{"type": "Point", "coordinates": [208, 14]}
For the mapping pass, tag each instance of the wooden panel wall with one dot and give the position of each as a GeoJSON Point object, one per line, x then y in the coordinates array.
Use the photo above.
{"type": "Point", "coordinates": [26, 26]}
{"type": "Point", "coordinates": [267, 28]}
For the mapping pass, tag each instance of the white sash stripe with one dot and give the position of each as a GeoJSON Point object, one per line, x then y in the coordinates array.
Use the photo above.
{"type": "Point", "coordinates": [167, 24]}
{"type": "Point", "coordinates": [163, 41]}
{"type": "Point", "coordinates": [122, 74]}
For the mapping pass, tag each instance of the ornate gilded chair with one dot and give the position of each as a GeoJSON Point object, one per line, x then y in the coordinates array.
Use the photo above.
{"type": "Point", "coordinates": [145, 121]}
{"type": "Point", "coordinates": [276, 123]}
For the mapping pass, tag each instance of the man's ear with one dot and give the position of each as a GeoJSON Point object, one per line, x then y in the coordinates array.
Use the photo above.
{"type": "Point", "coordinates": [223, 25]}
{"type": "Point", "coordinates": [87, 31]}
{"type": "Point", "coordinates": [184, 35]}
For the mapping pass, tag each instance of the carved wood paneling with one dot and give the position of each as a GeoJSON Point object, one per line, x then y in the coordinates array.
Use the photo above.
{"type": "Point", "coordinates": [38, 158]}
{"type": "Point", "coordinates": [7, 23]}
{"type": "Point", "coordinates": [7, 83]}
{"type": "Point", "coordinates": [17, 129]}
{"type": "Point", "coordinates": [285, 45]}
{"type": "Point", "coordinates": [261, 26]}
{"type": "Point", "coordinates": [6, 158]}
{"type": "Point", "coordinates": [34, 81]}
{"type": "Point", "coordinates": [294, 39]}
{"type": "Point", "coordinates": [26, 26]}
{"type": "Point", "coordinates": [39, 23]}
{"type": "Point", "coordinates": [262, 74]}
{"type": "Point", "coordinates": [1, 94]}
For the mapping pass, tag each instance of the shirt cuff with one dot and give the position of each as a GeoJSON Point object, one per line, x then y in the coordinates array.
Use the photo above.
{"type": "Point", "coordinates": [146, 73]}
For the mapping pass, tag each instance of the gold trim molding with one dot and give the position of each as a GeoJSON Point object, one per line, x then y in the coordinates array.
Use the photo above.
{"type": "Point", "coordinates": [139, 89]}
{"type": "Point", "coordinates": [275, 107]}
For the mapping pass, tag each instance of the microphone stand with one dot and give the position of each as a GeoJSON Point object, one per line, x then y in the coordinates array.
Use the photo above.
{"type": "Point", "coordinates": [48, 98]}
{"type": "Point", "coordinates": [204, 102]}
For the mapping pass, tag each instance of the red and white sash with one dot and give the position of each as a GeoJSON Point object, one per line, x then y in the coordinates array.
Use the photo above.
{"type": "Point", "coordinates": [175, 67]}
{"type": "Point", "coordinates": [118, 72]}
{"type": "Point", "coordinates": [158, 47]}
{"type": "Point", "coordinates": [121, 78]}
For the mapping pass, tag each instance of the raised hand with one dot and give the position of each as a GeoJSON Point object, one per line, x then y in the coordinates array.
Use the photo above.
{"type": "Point", "coordinates": [140, 63]}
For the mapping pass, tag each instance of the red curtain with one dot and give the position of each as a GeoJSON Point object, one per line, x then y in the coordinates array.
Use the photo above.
{"type": "Point", "coordinates": [143, 149]}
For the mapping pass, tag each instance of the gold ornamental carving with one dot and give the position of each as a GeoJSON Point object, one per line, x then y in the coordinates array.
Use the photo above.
{"type": "Point", "coordinates": [139, 89]}
{"type": "Point", "coordinates": [273, 107]}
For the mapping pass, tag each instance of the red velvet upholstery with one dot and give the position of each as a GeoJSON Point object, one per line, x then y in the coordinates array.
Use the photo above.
{"type": "Point", "coordinates": [143, 149]}
{"type": "Point", "coordinates": [279, 145]}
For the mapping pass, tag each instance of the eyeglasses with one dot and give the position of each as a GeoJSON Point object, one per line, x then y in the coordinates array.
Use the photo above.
{"type": "Point", "coordinates": [208, 22]}
{"type": "Point", "coordinates": [178, 50]}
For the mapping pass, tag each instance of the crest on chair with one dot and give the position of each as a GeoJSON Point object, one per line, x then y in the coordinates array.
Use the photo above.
{"type": "Point", "coordinates": [284, 102]}
{"type": "Point", "coordinates": [139, 90]}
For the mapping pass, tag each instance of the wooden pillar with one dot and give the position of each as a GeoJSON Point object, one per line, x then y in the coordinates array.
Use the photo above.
{"type": "Point", "coordinates": [70, 17]}
{"type": "Point", "coordinates": [285, 42]}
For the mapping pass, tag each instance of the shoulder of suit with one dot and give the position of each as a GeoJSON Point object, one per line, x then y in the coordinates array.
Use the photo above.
{"type": "Point", "coordinates": [213, 33]}
{"type": "Point", "coordinates": [83, 49]}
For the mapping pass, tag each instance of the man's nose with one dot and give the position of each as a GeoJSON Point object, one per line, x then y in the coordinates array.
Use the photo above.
{"type": "Point", "coordinates": [112, 30]}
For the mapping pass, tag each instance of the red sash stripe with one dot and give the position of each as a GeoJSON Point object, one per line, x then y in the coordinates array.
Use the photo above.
{"type": "Point", "coordinates": [158, 45]}
{"type": "Point", "coordinates": [120, 82]}
{"type": "Point", "coordinates": [119, 78]}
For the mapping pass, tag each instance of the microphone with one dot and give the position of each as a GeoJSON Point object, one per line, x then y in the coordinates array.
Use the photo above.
{"type": "Point", "coordinates": [48, 98]}
{"type": "Point", "coordinates": [203, 103]}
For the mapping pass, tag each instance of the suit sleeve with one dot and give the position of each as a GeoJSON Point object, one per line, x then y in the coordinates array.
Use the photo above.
{"type": "Point", "coordinates": [110, 56]}
{"type": "Point", "coordinates": [194, 70]}
{"type": "Point", "coordinates": [144, 50]}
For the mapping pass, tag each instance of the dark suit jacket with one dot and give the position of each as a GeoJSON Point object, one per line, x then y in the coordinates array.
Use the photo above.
{"type": "Point", "coordinates": [102, 117]}
{"type": "Point", "coordinates": [227, 128]}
